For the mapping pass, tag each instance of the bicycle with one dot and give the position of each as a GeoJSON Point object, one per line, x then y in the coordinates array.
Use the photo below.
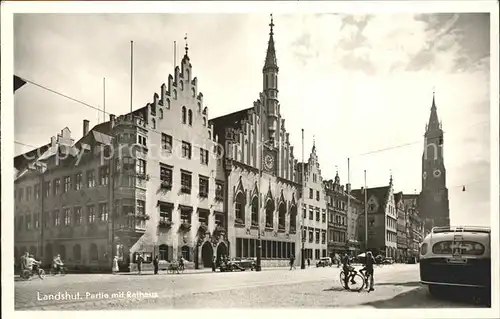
{"type": "Point", "coordinates": [352, 283]}
{"type": "Point", "coordinates": [175, 268]}
{"type": "Point", "coordinates": [26, 274]}
{"type": "Point", "coordinates": [61, 271]}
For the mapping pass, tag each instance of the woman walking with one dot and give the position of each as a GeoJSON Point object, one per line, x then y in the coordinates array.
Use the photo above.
{"type": "Point", "coordinates": [115, 265]}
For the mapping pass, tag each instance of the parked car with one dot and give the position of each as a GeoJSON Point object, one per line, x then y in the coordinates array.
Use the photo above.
{"type": "Point", "coordinates": [324, 262]}
{"type": "Point", "coordinates": [388, 261]}
{"type": "Point", "coordinates": [247, 263]}
{"type": "Point", "coordinates": [231, 265]}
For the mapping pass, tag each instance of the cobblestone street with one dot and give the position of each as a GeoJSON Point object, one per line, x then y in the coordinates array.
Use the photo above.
{"type": "Point", "coordinates": [397, 286]}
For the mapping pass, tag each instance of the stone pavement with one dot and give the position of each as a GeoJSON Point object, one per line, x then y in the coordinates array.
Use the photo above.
{"type": "Point", "coordinates": [396, 286]}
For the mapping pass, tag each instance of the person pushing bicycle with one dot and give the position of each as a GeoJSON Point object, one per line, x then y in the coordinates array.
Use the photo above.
{"type": "Point", "coordinates": [348, 270]}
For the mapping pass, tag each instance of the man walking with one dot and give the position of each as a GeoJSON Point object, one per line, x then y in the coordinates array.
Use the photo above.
{"type": "Point", "coordinates": [214, 263]}
{"type": "Point", "coordinates": [156, 263]}
{"type": "Point", "coordinates": [369, 269]}
{"type": "Point", "coordinates": [140, 259]}
{"type": "Point", "coordinates": [292, 261]}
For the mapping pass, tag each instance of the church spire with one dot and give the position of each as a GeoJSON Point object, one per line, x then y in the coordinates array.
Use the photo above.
{"type": "Point", "coordinates": [433, 124]}
{"type": "Point", "coordinates": [271, 62]}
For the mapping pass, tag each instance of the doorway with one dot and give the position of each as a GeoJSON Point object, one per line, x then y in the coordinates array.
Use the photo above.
{"type": "Point", "coordinates": [221, 251]}
{"type": "Point", "coordinates": [207, 254]}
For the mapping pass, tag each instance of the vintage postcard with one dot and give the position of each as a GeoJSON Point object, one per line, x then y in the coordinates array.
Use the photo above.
{"type": "Point", "coordinates": [237, 155]}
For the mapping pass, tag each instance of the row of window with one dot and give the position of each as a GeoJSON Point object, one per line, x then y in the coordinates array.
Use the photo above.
{"type": "Point", "coordinates": [270, 249]}
{"type": "Point", "coordinates": [391, 236]}
{"type": "Point", "coordinates": [50, 252]}
{"type": "Point", "coordinates": [309, 253]}
{"type": "Point", "coordinates": [337, 236]}
{"type": "Point", "coordinates": [240, 212]}
{"type": "Point", "coordinates": [68, 183]}
{"type": "Point", "coordinates": [391, 223]}
{"type": "Point", "coordinates": [311, 194]}
{"type": "Point", "coordinates": [312, 211]}
{"type": "Point", "coordinates": [312, 231]}
{"type": "Point", "coordinates": [166, 178]}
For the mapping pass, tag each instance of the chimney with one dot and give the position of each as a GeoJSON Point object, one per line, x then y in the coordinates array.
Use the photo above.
{"type": "Point", "coordinates": [85, 127]}
{"type": "Point", "coordinates": [112, 119]}
{"type": "Point", "coordinates": [53, 141]}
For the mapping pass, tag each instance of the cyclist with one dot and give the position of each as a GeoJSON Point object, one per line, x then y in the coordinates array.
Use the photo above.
{"type": "Point", "coordinates": [181, 262]}
{"type": "Point", "coordinates": [57, 263]}
{"type": "Point", "coordinates": [348, 270]}
{"type": "Point", "coordinates": [33, 266]}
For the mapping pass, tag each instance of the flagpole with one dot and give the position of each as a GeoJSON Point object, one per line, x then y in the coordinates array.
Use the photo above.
{"type": "Point", "coordinates": [348, 190]}
{"type": "Point", "coordinates": [302, 254]}
{"type": "Point", "coordinates": [366, 216]}
{"type": "Point", "coordinates": [131, 71]}
{"type": "Point", "coordinates": [258, 267]}
{"type": "Point", "coordinates": [104, 98]}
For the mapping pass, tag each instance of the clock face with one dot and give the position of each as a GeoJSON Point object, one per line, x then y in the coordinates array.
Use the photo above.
{"type": "Point", "coordinates": [269, 161]}
{"type": "Point", "coordinates": [424, 175]}
{"type": "Point", "coordinates": [436, 173]}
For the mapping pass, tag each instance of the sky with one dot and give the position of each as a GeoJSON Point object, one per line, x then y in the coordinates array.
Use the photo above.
{"type": "Point", "coordinates": [355, 83]}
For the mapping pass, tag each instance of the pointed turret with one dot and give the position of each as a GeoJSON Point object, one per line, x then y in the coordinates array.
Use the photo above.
{"type": "Point", "coordinates": [271, 61]}
{"type": "Point", "coordinates": [433, 124]}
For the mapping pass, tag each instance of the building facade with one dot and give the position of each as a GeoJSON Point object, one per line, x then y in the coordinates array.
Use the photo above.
{"type": "Point", "coordinates": [314, 209]}
{"type": "Point", "coordinates": [414, 225]}
{"type": "Point", "coordinates": [402, 244]}
{"type": "Point", "coordinates": [382, 220]}
{"type": "Point", "coordinates": [354, 210]}
{"type": "Point", "coordinates": [262, 186]}
{"type": "Point", "coordinates": [149, 181]}
{"type": "Point", "coordinates": [336, 198]}
{"type": "Point", "coordinates": [433, 201]}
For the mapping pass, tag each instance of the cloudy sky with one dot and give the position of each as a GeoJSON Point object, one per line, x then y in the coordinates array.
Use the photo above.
{"type": "Point", "coordinates": [357, 83]}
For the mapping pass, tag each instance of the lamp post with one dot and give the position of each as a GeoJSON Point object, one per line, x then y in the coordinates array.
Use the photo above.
{"type": "Point", "coordinates": [303, 250]}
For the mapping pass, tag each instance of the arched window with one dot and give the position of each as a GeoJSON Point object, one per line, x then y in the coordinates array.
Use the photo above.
{"type": "Point", "coordinates": [181, 84]}
{"type": "Point", "coordinates": [61, 250]}
{"type": "Point", "coordinates": [276, 81]}
{"type": "Point", "coordinates": [293, 219]}
{"type": "Point", "coordinates": [239, 207]}
{"type": "Point", "coordinates": [265, 81]}
{"type": "Point", "coordinates": [153, 123]}
{"type": "Point", "coordinates": [93, 254]}
{"type": "Point", "coordinates": [281, 216]}
{"type": "Point", "coordinates": [175, 94]}
{"type": "Point", "coordinates": [161, 113]}
{"type": "Point", "coordinates": [163, 252]}
{"type": "Point", "coordinates": [193, 92]}
{"type": "Point", "coordinates": [185, 253]}
{"type": "Point", "coordinates": [204, 121]}
{"type": "Point", "coordinates": [167, 105]}
{"type": "Point", "coordinates": [183, 115]}
{"type": "Point", "coordinates": [77, 252]}
{"type": "Point", "coordinates": [187, 74]}
{"type": "Point", "coordinates": [209, 135]}
{"type": "Point", "coordinates": [190, 117]}
{"type": "Point", "coordinates": [269, 213]}
{"type": "Point", "coordinates": [255, 211]}
{"type": "Point", "coordinates": [199, 107]}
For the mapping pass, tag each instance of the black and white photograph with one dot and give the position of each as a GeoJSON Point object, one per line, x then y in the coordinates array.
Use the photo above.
{"type": "Point", "coordinates": [251, 155]}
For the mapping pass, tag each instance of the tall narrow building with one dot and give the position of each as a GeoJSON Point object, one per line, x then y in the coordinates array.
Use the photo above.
{"type": "Point", "coordinates": [433, 199]}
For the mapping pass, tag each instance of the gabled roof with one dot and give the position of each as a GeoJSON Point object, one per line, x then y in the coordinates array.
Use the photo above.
{"type": "Point", "coordinates": [380, 194]}
{"type": "Point", "coordinates": [232, 120]}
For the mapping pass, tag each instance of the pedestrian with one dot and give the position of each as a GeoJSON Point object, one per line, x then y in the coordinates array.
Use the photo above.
{"type": "Point", "coordinates": [156, 262]}
{"type": "Point", "coordinates": [369, 269]}
{"type": "Point", "coordinates": [115, 268]}
{"type": "Point", "coordinates": [214, 263]}
{"type": "Point", "coordinates": [292, 261]}
{"type": "Point", "coordinates": [140, 259]}
{"type": "Point", "coordinates": [308, 262]}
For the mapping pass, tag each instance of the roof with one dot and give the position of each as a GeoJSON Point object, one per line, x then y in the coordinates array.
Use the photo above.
{"type": "Point", "coordinates": [233, 119]}
{"type": "Point", "coordinates": [380, 194]}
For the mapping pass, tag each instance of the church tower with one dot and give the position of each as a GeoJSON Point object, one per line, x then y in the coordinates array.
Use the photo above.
{"type": "Point", "coordinates": [433, 199]}
{"type": "Point", "coordinates": [270, 87]}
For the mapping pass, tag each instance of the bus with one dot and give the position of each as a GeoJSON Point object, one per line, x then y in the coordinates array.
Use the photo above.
{"type": "Point", "coordinates": [457, 257]}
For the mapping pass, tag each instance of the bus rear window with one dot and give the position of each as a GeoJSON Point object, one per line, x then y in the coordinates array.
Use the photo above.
{"type": "Point", "coordinates": [466, 248]}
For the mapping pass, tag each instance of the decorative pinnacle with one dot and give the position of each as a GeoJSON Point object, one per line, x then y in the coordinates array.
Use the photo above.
{"type": "Point", "coordinates": [271, 25]}
{"type": "Point", "coordinates": [186, 40]}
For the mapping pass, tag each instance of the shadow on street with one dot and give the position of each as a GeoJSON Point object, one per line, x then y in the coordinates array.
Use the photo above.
{"type": "Point", "coordinates": [402, 284]}
{"type": "Point", "coordinates": [420, 298]}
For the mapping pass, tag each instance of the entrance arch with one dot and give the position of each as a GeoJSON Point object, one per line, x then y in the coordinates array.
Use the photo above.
{"type": "Point", "coordinates": [221, 251]}
{"type": "Point", "coordinates": [207, 253]}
